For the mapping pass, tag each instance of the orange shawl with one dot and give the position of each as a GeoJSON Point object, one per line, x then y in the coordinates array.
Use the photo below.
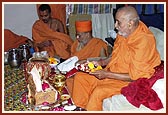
{"type": "Point", "coordinates": [92, 49]}
{"type": "Point", "coordinates": [61, 42]}
{"type": "Point", "coordinates": [136, 55]}
{"type": "Point", "coordinates": [12, 40]}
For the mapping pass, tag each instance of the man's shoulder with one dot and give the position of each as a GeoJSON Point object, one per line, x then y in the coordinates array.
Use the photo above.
{"type": "Point", "coordinates": [36, 22]}
{"type": "Point", "coordinates": [55, 20]}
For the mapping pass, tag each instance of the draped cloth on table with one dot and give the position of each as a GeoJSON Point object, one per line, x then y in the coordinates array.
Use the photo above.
{"type": "Point", "coordinates": [135, 55]}
{"type": "Point", "coordinates": [12, 40]}
{"type": "Point", "coordinates": [61, 42]}
{"type": "Point", "coordinates": [92, 49]}
{"type": "Point", "coordinates": [57, 11]}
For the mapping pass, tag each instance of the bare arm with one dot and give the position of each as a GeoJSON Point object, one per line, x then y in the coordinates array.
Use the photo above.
{"type": "Point", "coordinates": [101, 74]}
{"type": "Point", "coordinates": [123, 76]}
{"type": "Point", "coordinates": [104, 62]}
{"type": "Point", "coordinates": [103, 53]}
{"type": "Point", "coordinates": [61, 27]}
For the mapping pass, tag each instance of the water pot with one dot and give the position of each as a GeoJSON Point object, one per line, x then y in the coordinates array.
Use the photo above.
{"type": "Point", "coordinates": [14, 58]}
{"type": "Point", "coordinates": [25, 51]}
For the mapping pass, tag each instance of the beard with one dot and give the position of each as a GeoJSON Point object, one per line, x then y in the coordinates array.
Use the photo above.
{"type": "Point", "coordinates": [84, 42]}
{"type": "Point", "coordinates": [122, 34]}
{"type": "Point", "coordinates": [45, 21]}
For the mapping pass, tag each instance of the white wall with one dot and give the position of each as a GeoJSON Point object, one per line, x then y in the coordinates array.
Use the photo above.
{"type": "Point", "coordinates": [19, 18]}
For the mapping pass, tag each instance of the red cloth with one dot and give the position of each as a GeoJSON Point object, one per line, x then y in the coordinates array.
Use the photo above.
{"type": "Point", "coordinates": [71, 73]}
{"type": "Point", "coordinates": [141, 92]}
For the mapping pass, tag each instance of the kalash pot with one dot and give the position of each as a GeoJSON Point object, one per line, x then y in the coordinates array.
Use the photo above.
{"type": "Point", "coordinates": [14, 58]}
{"type": "Point", "coordinates": [42, 65]}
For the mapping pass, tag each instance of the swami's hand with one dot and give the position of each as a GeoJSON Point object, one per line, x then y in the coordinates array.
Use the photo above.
{"type": "Point", "coordinates": [100, 74]}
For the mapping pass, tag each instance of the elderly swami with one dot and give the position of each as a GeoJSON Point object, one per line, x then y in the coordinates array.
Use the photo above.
{"type": "Point", "coordinates": [134, 56]}
{"type": "Point", "coordinates": [86, 46]}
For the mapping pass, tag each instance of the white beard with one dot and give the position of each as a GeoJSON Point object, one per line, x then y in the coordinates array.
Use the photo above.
{"type": "Point", "coordinates": [122, 34]}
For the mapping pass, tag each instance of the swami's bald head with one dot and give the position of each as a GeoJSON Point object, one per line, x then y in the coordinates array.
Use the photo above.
{"type": "Point", "coordinates": [128, 12]}
{"type": "Point", "coordinates": [127, 20]}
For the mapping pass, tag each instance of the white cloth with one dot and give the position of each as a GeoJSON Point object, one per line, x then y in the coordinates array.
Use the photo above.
{"type": "Point", "coordinates": [101, 24]}
{"type": "Point", "coordinates": [120, 103]}
{"type": "Point", "coordinates": [68, 64]}
{"type": "Point", "coordinates": [112, 34]}
{"type": "Point", "coordinates": [36, 79]}
{"type": "Point", "coordinates": [159, 36]}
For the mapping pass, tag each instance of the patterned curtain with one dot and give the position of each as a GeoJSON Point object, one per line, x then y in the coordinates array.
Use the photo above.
{"type": "Point", "coordinates": [90, 8]}
{"type": "Point", "coordinates": [101, 15]}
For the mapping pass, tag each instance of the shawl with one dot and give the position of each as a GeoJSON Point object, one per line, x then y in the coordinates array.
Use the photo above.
{"type": "Point", "coordinates": [12, 40]}
{"type": "Point", "coordinates": [92, 49]}
{"type": "Point", "coordinates": [61, 42]}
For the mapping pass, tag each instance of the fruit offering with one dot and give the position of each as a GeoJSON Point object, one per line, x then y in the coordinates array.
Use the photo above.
{"type": "Point", "coordinates": [52, 60]}
{"type": "Point", "coordinates": [89, 67]}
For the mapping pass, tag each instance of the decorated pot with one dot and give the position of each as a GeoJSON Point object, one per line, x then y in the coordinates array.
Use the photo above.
{"type": "Point", "coordinates": [42, 65]}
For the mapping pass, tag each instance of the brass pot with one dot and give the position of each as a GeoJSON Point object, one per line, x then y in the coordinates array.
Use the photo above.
{"type": "Point", "coordinates": [59, 82]}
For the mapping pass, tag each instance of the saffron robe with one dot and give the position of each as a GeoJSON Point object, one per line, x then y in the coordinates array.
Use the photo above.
{"type": "Point", "coordinates": [136, 55]}
{"type": "Point", "coordinates": [12, 40]}
{"type": "Point", "coordinates": [92, 49]}
{"type": "Point", "coordinates": [61, 43]}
